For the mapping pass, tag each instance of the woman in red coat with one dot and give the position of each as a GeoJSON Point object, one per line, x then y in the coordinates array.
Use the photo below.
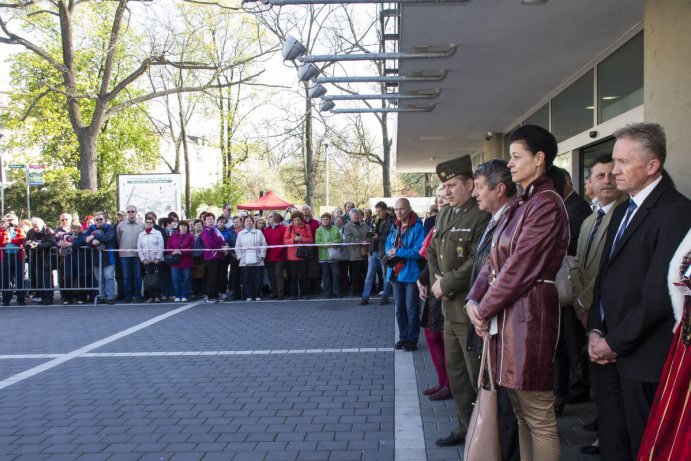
{"type": "Point", "coordinates": [515, 290]}
{"type": "Point", "coordinates": [296, 234]}
{"type": "Point", "coordinates": [275, 260]}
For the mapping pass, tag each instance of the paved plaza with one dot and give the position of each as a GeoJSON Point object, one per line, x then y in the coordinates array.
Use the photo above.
{"type": "Point", "coordinates": [269, 381]}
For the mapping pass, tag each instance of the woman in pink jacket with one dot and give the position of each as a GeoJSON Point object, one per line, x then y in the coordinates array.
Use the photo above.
{"type": "Point", "coordinates": [181, 244]}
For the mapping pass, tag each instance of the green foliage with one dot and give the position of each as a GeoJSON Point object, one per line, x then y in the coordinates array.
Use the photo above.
{"type": "Point", "coordinates": [216, 195]}
{"type": "Point", "coordinates": [57, 196]}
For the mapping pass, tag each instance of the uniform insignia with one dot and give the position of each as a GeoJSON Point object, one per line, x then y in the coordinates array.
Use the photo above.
{"type": "Point", "coordinates": [460, 251]}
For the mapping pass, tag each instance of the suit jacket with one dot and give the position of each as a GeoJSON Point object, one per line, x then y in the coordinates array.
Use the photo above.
{"type": "Point", "coordinates": [584, 272]}
{"type": "Point", "coordinates": [452, 253]}
{"type": "Point", "coordinates": [475, 342]}
{"type": "Point", "coordinates": [632, 285]}
{"type": "Point", "coordinates": [578, 210]}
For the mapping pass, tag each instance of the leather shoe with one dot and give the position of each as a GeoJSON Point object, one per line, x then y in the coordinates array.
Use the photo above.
{"type": "Point", "coordinates": [443, 394]}
{"type": "Point", "coordinates": [432, 390]}
{"type": "Point", "coordinates": [591, 426]}
{"type": "Point", "coordinates": [399, 345]}
{"type": "Point", "coordinates": [451, 441]}
{"type": "Point", "coordinates": [364, 301]}
{"type": "Point", "coordinates": [590, 450]}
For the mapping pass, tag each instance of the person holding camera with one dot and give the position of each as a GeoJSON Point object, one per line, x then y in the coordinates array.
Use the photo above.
{"type": "Point", "coordinates": [381, 226]}
{"type": "Point", "coordinates": [297, 234]}
{"type": "Point", "coordinates": [12, 257]}
{"type": "Point", "coordinates": [403, 257]}
{"type": "Point", "coordinates": [40, 245]}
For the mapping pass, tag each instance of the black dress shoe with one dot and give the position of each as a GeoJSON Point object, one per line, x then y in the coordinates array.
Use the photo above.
{"type": "Point", "coordinates": [591, 426]}
{"type": "Point", "coordinates": [410, 346]}
{"type": "Point", "coordinates": [590, 450]}
{"type": "Point", "coordinates": [400, 344]}
{"type": "Point", "coordinates": [451, 441]}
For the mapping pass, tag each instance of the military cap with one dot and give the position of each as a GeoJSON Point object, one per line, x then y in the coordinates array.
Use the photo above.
{"type": "Point", "coordinates": [454, 167]}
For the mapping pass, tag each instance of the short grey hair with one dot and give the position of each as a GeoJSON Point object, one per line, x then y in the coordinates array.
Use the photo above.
{"type": "Point", "coordinates": [354, 210]}
{"type": "Point", "coordinates": [651, 137]}
{"type": "Point", "coordinates": [497, 172]}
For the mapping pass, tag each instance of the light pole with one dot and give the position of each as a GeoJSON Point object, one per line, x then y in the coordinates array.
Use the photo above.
{"type": "Point", "coordinates": [326, 155]}
{"type": "Point", "coordinates": [2, 178]}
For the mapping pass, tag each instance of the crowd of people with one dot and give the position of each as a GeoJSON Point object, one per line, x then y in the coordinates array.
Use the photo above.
{"type": "Point", "coordinates": [568, 297]}
{"type": "Point", "coordinates": [243, 256]}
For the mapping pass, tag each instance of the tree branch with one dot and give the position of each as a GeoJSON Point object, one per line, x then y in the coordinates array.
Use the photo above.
{"type": "Point", "coordinates": [186, 89]}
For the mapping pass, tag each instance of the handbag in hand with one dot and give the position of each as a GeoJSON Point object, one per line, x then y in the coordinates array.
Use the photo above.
{"type": "Point", "coordinates": [304, 252]}
{"type": "Point", "coordinates": [482, 439]}
{"type": "Point", "coordinates": [171, 259]}
{"type": "Point", "coordinates": [151, 279]}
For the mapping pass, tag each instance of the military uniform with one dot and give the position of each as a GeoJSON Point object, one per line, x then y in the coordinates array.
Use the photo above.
{"type": "Point", "coordinates": [451, 255]}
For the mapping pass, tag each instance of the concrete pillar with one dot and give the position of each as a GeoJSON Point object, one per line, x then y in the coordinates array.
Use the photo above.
{"type": "Point", "coordinates": [493, 147]}
{"type": "Point", "coordinates": [667, 99]}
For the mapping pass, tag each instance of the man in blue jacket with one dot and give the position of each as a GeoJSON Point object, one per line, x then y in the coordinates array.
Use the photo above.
{"type": "Point", "coordinates": [101, 237]}
{"type": "Point", "coordinates": [403, 254]}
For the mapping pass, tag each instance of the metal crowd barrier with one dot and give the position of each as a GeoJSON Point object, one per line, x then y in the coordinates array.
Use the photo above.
{"type": "Point", "coordinates": [74, 272]}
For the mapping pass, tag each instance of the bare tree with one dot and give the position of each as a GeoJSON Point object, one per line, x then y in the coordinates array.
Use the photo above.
{"type": "Point", "coordinates": [90, 108]}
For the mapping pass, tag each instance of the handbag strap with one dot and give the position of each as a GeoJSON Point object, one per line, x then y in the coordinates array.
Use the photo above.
{"type": "Point", "coordinates": [486, 361]}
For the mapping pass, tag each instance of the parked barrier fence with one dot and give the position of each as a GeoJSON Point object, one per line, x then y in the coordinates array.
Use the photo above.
{"type": "Point", "coordinates": [38, 271]}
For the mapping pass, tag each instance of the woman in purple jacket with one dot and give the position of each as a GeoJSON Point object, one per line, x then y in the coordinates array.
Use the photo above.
{"type": "Point", "coordinates": [181, 244]}
{"type": "Point", "coordinates": [215, 249]}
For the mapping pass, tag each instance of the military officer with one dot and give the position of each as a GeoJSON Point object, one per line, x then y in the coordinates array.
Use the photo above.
{"type": "Point", "coordinates": [459, 229]}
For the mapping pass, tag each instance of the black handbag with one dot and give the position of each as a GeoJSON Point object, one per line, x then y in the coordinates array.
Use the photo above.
{"type": "Point", "coordinates": [304, 252]}
{"type": "Point", "coordinates": [171, 259]}
{"type": "Point", "coordinates": [151, 278]}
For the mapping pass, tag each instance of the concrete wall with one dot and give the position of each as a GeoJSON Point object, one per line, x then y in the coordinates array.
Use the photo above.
{"type": "Point", "coordinates": [667, 99]}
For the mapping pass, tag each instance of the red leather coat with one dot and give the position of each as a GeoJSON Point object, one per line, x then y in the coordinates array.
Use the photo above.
{"type": "Point", "coordinates": [517, 285]}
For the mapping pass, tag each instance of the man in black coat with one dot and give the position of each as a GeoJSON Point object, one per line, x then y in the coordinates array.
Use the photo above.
{"type": "Point", "coordinates": [631, 318]}
{"type": "Point", "coordinates": [571, 365]}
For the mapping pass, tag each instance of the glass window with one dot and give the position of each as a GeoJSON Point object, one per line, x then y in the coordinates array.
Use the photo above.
{"type": "Point", "coordinates": [620, 80]}
{"type": "Point", "coordinates": [572, 109]}
{"type": "Point", "coordinates": [540, 117]}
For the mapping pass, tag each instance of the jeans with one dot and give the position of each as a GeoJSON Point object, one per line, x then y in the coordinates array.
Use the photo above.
{"type": "Point", "coordinates": [331, 278]}
{"type": "Point", "coordinates": [387, 285]}
{"type": "Point", "coordinates": [407, 300]}
{"type": "Point", "coordinates": [132, 276]}
{"type": "Point", "coordinates": [252, 280]}
{"type": "Point", "coordinates": [373, 264]}
{"type": "Point", "coordinates": [12, 270]}
{"type": "Point", "coordinates": [108, 281]}
{"type": "Point", "coordinates": [181, 281]}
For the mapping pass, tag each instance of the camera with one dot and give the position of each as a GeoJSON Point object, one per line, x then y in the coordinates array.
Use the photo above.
{"type": "Point", "coordinates": [371, 234]}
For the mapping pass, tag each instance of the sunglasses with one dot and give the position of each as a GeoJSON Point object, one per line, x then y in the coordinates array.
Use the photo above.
{"type": "Point", "coordinates": [149, 222]}
{"type": "Point", "coordinates": [131, 211]}
{"type": "Point", "coordinates": [99, 219]}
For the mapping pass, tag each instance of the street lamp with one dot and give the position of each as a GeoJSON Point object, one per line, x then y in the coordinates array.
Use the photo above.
{"type": "Point", "coordinates": [2, 179]}
{"type": "Point", "coordinates": [326, 156]}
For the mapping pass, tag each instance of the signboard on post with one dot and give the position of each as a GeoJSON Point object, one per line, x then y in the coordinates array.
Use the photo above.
{"type": "Point", "coordinates": [35, 175]}
{"type": "Point", "coordinates": [157, 192]}
{"type": "Point", "coordinates": [16, 166]}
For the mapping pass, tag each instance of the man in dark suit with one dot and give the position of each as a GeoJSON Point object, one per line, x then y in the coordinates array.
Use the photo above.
{"type": "Point", "coordinates": [630, 320]}
{"type": "Point", "coordinates": [591, 242]}
{"type": "Point", "coordinates": [571, 383]}
{"type": "Point", "coordinates": [494, 190]}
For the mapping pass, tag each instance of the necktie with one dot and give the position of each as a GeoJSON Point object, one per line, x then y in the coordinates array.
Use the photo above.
{"type": "Point", "coordinates": [629, 211]}
{"type": "Point", "coordinates": [598, 220]}
{"type": "Point", "coordinates": [489, 227]}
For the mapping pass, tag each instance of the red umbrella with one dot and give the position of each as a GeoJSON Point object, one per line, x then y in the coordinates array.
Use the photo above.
{"type": "Point", "coordinates": [269, 201]}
